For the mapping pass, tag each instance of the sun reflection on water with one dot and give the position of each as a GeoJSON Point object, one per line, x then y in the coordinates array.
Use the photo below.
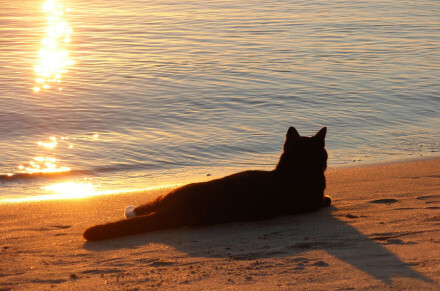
{"type": "Point", "coordinates": [54, 59]}
{"type": "Point", "coordinates": [42, 165]}
{"type": "Point", "coordinates": [45, 162]}
{"type": "Point", "coordinates": [50, 145]}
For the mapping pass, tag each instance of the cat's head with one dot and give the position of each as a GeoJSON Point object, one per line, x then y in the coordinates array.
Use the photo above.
{"type": "Point", "coordinates": [304, 153]}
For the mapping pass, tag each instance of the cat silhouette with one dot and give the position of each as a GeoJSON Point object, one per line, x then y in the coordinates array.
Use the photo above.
{"type": "Point", "coordinates": [296, 185]}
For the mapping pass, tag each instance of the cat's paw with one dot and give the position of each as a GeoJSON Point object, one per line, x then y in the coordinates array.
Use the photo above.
{"type": "Point", "coordinates": [326, 201]}
{"type": "Point", "coordinates": [129, 212]}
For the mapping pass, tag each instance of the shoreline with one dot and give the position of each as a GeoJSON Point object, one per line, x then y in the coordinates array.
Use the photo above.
{"type": "Point", "coordinates": [176, 183]}
{"type": "Point", "coordinates": [381, 232]}
{"type": "Point", "coordinates": [398, 160]}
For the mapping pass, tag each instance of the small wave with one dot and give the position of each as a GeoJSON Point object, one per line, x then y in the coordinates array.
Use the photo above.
{"type": "Point", "coordinates": [96, 171]}
{"type": "Point", "coordinates": [40, 175]}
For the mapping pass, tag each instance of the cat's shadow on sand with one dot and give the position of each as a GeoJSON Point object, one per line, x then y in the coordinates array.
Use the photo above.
{"type": "Point", "coordinates": [287, 236]}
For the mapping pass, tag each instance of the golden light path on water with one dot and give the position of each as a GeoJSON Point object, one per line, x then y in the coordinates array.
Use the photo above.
{"type": "Point", "coordinates": [42, 165]}
{"type": "Point", "coordinates": [45, 164]}
{"type": "Point", "coordinates": [68, 189]}
{"type": "Point", "coordinates": [79, 190]}
{"type": "Point", "coordinates": [54, 59]}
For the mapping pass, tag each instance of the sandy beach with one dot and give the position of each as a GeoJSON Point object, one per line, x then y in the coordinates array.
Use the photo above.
{"type": "Point", "coordinates": [382, 232]}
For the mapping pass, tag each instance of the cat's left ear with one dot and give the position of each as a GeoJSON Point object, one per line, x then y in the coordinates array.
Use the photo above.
{"type": "Point", "coordinates": [291, 137]}
{"type": "Point", "coordinates": [320, 135]}
{"type": "Point", "coordinates": [292, 133]}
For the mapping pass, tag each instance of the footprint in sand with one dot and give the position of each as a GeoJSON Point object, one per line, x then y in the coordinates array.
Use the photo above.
{"type": "Point", "coordinates": [426, 197]}
{"type": "Point", "coordinates": [61, 226]}
{"type": "Point", "coordinates": [384, 201]}
{"type": "Point", "coordinates": [392, 237]}
{"type": "Point", "coordinates": [351, 216]}
{"type": "Point", "coordinates": [48, 281]}
{"type": "Point", "coordinates": [51, 227]}
{"type": "Point", "coordinates": [430, 176]}
{"type": "Point", "coordinates": [320, 264]}
{"type": "Point", "coordinates": [429, 199]}
{"type": "Point", "coordinates": [302, 263]}
{"type": "Point", "coordinates": [55, 227]}
{"type": "Point", "coordinates": [397, 241]}
{"type": "Point", "coordinates": [102, 271]}
{"type": "Point", "coordinates": [161, 264]}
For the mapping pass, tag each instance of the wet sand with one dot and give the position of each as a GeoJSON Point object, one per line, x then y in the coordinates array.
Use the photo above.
{"type": "Point", "coordinates": [382, 232]}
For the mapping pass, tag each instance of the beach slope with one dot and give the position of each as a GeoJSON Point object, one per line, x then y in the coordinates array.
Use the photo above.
{"type": "Point", "coordinates": [382, 232]}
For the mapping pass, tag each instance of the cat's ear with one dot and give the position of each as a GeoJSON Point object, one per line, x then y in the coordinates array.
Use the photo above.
{"type": "Point", "coordinates": [320, 135]}
{"type": "Point", "coordinates": [291, 137]}
{"type": "Point", "coordinates": [292, 133]}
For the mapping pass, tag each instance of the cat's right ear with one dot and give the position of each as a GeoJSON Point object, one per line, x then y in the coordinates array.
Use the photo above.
{"type": "Point", "coordinates": [320, 136]}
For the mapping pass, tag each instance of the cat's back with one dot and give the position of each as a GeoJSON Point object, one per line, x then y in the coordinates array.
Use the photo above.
{"type": "Point", "coordinates": [241, 182]}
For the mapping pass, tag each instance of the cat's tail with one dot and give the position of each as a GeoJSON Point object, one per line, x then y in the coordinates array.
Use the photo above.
{"type": "Point", "coordinates": [134, 225]}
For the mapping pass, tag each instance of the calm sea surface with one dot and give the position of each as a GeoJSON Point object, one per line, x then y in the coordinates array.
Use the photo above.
{"type": "Point", "coordinates": [109, 95]}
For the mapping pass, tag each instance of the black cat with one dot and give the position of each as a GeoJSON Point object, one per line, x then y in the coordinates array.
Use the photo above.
{"type": "Point", "coordinates": [296, 185]}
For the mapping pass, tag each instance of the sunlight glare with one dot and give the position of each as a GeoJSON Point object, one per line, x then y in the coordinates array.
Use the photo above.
{"type": "Point", "coordinates": [49, 145]}
{"type": "Point", "coordinates": [53, 57]}
{"type": "Point", "coordinates": [42, 165]}
{"type": "Point", "coordinates": [68, 190]}
{"type": "Point", "coordinates": [83, 190]}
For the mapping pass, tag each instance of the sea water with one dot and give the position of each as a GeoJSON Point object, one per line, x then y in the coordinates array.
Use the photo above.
{"type": "Point", "coordinates": [106, 95]}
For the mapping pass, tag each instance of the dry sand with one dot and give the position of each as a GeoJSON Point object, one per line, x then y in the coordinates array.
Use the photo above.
{"type": "Point", "coordinates": [382, 232]}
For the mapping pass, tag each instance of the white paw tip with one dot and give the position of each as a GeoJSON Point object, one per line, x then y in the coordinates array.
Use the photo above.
{"type": "Point", "coordinates": [129, 211]}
